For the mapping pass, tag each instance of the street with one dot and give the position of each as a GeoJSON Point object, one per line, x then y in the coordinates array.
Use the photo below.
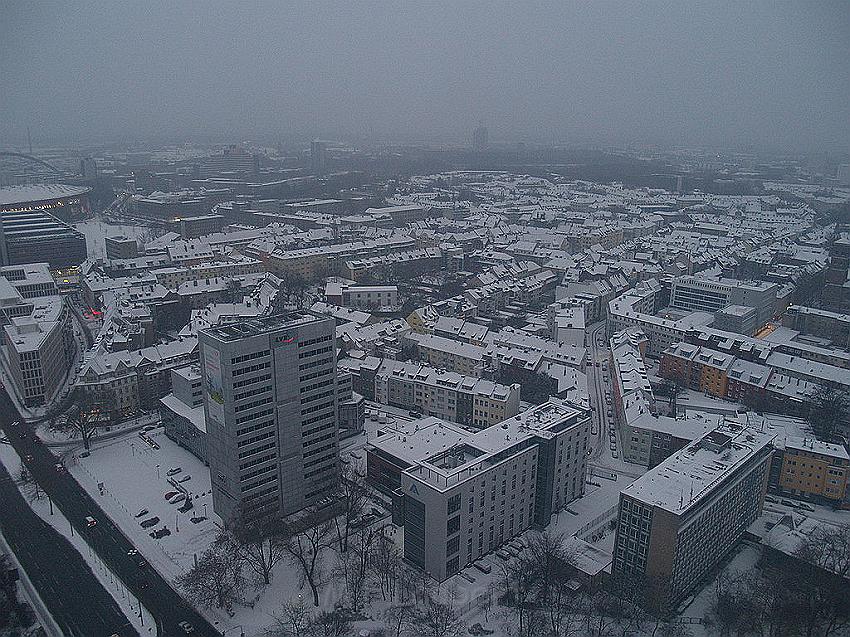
{"type": "Point", "coordinates": [596, 389]}
{"type": "Point", "coordinates": [74, 596]}
{"type": "Point", "coordinates": [105, 538]}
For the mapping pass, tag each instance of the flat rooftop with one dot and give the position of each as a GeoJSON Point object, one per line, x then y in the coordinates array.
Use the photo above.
{"type": "Point", "coordinates": [684, 479]}
{"type": "Point", "coordinates": [10, 195]}
{"type": "Point", "coordinates": [492, 445]}
{"type": "Point", "coordinates": [261, 325]}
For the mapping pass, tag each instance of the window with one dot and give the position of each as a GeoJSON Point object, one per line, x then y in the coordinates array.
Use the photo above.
{"type": "Point", "coordinates": [453, 504]}
{"type": "Point", "coordinates": [453, 525]}
{"type": "Point", "coordinates": [452, 566]}
{"type": "Point", "coordinates": [453, 545]}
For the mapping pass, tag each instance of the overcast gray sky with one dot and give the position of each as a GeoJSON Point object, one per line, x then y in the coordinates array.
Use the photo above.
{"type": "Point", "coordinates": [736, 74]}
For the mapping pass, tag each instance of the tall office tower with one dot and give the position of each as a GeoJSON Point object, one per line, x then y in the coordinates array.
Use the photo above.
{"type": "Point", "coordinates": [270, 400]}
{"type": "Point", "coordinates": [479, 138]}
{"type": "Point", "coordinates": [88, 168]}
{"type": "Point", "coordinates": [843, 175]}
{"type": "Point", "coordinates": [318, 156]}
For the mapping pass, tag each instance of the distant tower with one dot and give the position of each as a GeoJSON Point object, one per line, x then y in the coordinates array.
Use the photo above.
{"type": "Point", "coordinates": [318, 156]}
{"type": "Point", "coordinates": [844, 175]}
{"type": "Point", "coordinates": [479, 138]}
{"type": "Point", "coordinates": [88, 168]}
{"type": "Point", "coordinates": [680, 181]}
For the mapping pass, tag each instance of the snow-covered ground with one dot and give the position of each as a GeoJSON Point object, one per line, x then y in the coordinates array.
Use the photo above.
{"type": "Point", "coordinates": [134, 477]}
{"type": "Point", "coordinates": [96, 230]}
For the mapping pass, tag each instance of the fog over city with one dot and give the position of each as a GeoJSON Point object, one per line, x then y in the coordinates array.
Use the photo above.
{"type": "Point", "coordinates": [752, 75]}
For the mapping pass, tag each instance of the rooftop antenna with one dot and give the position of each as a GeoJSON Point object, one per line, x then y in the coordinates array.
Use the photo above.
{"type": "Point", "coordinates": [29, 139]}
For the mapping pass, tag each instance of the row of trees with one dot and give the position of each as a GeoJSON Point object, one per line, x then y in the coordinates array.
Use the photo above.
{"type": "Point", "coordinates": [539, 598]}
{"type": "Point", "coordinates": [804, 594]}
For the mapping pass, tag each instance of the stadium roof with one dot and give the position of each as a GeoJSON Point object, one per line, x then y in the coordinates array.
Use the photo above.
{"type": "Point", "coordinates": [10, 195]}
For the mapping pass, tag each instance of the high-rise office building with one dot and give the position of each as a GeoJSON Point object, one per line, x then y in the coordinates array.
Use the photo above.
{"type": "Point", "coordinates": [270, 400]}
{"type": "Point", "coordinates": [318, 156]}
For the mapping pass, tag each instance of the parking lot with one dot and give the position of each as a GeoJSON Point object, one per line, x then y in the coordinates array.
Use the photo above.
{"type": "Point", "coordinates": [156, 492]}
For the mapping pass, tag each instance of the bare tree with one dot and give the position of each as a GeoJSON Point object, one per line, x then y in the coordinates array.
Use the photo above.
{"type": "Point", "coordinates": [386, 563]}
{"type": "Point", "coordinates": [335, 623]}
{"type": "Point", "coordinates": [828, 411]}
{"type": "Point", "coordinates": [306, 549]}
{"type": "Point", "coordinates": [536, 585]}
{"type": "Point", "coordinates": [292, 620]}
{"type": "Point", "coordinates": [400, 618]}
{"type": "Point", "coordinates": [294, 286]}
{"type": "Point", "coordinates": [437, 619]}
{"type": "Point", "coordinates": [353, 498]}
{"type": "Point", "coordinates": [519, 587]}
{"type": "Point", "coordinates": [353, 566]}
{"type": "Point", "coordinates": [88, 412]}
{"type": "Point", "coordinates": [217, 579]}
{"type": "Point", "coordinates": [233, 291]}
{"type": "Point", "coordinates": [261, 546]}
{"type": "Point", "coordinates": [828, 548]}
{"type": "Point", "coordinates": [28, 484]}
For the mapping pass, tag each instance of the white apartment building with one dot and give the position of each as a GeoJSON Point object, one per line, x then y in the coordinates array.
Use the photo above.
{"type": "Point", "coordinates": [714, 294]}
{"type": "Point", "coordinates": [363, 297]}
{"type": "Point", "coordinates": [446, 353]}
{"type": "Point", "coordinates": [467, 500]}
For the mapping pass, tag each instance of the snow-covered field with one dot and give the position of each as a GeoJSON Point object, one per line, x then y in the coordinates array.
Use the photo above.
{"type": "Point", "coordinates": [95, 232]}
{"type": "Point", "coordinates": [134, 477]}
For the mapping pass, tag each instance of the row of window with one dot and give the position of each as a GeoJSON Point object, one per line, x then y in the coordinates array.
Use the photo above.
{"type": "Point", "coordinates": [251, 452]}
{"type": "Point", "coordinates": [259, 414]}
{"type": "Point", "coordinates": [251, 356]}
{"type": "Point", "coordinates": [251, 368]}
{"type": "Point", "coordinates": [315, 352]}
{"type": "Point", "coordinates": [313, 341]}
{"type": "Point", "coordinates": [251, 381]}
{"type": "Point", "coordinates": [252, 392]}
{"type": "Point", "coordinates": [250, 441]}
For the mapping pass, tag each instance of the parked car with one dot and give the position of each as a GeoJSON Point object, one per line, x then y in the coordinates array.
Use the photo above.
{"type": "Point", "coordinates": [142, 513]}
{"type": "Point", "coordinates": [90, 521]}
{"type": "Point", "coordinates": [146, 524]}
{"type": "Point", "coordinates": [177, 499]}
{"type": "Point", "coordinates": [173, 471]}
{"type": "Point", "coordinates": [186, 627]}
